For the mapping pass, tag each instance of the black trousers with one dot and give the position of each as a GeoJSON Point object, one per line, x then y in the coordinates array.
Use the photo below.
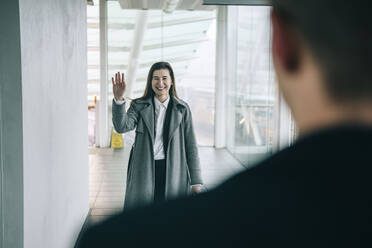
{"type": "Point", "coordinates": [160, 175]}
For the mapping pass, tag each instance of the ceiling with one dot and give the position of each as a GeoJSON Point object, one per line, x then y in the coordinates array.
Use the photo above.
{"type": "Point", "coordinates": [164, 4]}
{"type": "Point", "coordinates": [174, 36]}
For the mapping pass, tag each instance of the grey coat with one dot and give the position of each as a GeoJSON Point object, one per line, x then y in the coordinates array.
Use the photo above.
{"type": "Point", "coordinates": [182, 160]}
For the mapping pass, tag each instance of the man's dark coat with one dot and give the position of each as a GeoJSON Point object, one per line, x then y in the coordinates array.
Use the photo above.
{"type": "Point", "coordinates": [316, 193]}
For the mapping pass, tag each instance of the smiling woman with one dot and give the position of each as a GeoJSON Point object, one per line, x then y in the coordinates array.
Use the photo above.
{"type": "Point", "coordinates": [164, 162]}
{"type": "Point", "coordinates": [161, 83]}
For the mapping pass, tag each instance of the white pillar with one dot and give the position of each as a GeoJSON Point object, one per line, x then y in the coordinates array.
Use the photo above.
{"type": "Point", "coordinates": [221, 79]}
{"type": "Point", "coordinates": [231, 73]}
{"type": "Point", "coordinates": [103, 140]}
{"type": "Point", "coordinates": [282, 123]}
{"type": "Point", "coordinates": [135, 52]}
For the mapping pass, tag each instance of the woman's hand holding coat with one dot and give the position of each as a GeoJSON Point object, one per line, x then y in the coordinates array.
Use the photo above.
{"type": "Point", "coordinates": [196, 189]}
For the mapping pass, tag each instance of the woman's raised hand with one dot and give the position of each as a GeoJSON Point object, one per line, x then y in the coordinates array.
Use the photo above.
{"type": "Point", "coordinates": [118, 86]}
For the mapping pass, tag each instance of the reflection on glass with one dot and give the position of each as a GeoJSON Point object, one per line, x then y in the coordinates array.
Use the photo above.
{"type": "Point", "coordinates": [252, 97]}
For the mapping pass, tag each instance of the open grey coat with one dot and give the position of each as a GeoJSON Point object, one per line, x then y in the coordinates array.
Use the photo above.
{"type": "Point", "coordinates": [183, 167]}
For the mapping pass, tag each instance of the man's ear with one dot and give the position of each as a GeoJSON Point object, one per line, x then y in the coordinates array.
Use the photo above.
{"type": "Point", "coordinates": [285, 45]}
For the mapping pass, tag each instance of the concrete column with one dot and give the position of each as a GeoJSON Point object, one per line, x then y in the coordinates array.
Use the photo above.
{"type": "Point", "coordinates": [55, 123]}
{"type": "Point", "coordinates": [221, 79]}
{"type": "Point", "coordinates": [43, 123]}
{"type": "Point", "coordinates": [11, 136]}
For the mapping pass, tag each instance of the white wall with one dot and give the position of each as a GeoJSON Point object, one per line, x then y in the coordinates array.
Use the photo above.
{"type": "Point", "coordinates": [11, 165]}
{"type": "Point", "coordinates": [55, 142]}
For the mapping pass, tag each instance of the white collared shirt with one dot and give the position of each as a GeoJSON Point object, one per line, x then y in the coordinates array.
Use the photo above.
{"type": "Point", "coordinates": [160, 111]}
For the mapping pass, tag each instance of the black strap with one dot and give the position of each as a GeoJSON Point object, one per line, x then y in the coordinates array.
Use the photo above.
{"type": "Point", "coordinates": [168, 114]}
{"type": "Point", "coordinates": [153, 109]}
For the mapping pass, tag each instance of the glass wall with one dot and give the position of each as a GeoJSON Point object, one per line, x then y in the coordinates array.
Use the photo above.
{"type": "Point", "coordinates": [185, 39]}
{"type": "Point", "coordinates": [251, 96]}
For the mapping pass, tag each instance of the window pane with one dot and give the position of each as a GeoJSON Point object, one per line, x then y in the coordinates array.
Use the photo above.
{"type": "Point", "coordinates": [185, 39]}
{"type": "Point", "coordinates": [253, 95]}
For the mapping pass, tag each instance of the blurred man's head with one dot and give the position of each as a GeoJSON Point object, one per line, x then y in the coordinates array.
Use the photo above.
{"type": "Point", "coordinates": [323, 58]}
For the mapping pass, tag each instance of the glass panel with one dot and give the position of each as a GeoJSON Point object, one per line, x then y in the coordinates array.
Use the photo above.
{"type": "Point", "coordinates": [253, 95]}
{"type": "Point", "coordinates": [186, 39]}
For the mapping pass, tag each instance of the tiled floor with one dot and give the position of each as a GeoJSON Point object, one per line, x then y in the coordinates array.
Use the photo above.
{"type": "Point", "coordinates": [108, 168]}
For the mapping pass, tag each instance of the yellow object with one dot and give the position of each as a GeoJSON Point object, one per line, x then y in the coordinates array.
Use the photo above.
{"type": "Point", "coordinates": [116, 139]}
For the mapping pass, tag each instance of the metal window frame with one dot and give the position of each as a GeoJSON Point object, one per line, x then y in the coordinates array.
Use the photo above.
{"type": "Point", "coordinates": [238, 2]}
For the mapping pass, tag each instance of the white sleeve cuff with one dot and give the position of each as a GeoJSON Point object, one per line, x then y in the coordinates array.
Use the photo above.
{"type": "Point", "coordinates": [119, 102]}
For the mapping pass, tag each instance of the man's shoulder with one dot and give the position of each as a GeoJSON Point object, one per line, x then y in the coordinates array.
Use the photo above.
{"type": "Point", "coordinates": [326, 149]}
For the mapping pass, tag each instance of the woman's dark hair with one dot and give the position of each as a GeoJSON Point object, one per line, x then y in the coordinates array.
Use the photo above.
{"type": "Point", "coordinates": [159, 66]}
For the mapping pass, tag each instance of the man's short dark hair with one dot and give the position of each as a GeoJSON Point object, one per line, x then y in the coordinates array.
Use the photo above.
{"type": "Point", "coordinates": [339, 35]}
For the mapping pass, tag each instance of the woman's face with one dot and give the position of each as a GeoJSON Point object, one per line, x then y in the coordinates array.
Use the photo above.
{"type": "Point", "coordinates": [161, 83]}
